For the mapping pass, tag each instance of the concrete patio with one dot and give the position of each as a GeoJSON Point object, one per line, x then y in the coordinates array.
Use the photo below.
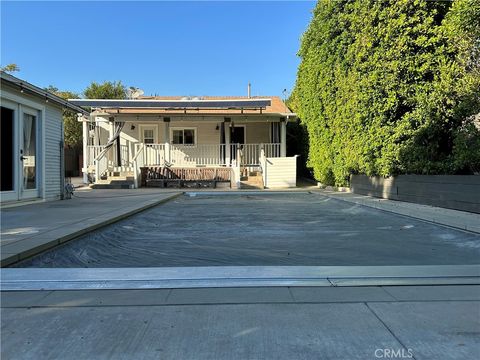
{"type": "Point", "coordinates": [419, 322]}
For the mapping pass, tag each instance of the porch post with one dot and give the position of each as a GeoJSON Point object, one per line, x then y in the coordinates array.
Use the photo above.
{"type": "Point", "coordinates": [166, 137]}
{"type": "Point", "coordinates": [86, 159]}
{"type": "Point", "coordinates": [227, 141]}
{"type": "Point", "coordinates": [283, 137]}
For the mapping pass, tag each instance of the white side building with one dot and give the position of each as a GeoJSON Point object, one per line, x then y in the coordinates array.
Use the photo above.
{"type": "Point", "coordinates": [31, 141]}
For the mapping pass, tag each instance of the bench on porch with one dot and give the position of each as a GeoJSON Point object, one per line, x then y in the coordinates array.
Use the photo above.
{"type": "Point", "coordinates": [177, 177]}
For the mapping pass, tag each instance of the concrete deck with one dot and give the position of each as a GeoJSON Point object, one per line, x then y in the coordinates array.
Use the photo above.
{"type": "Point", "coordinates": [448, 217]}
{"type": "Point", "coordinates": [421, 322]}
{"type": "Point", "coordinates": [30, 229]}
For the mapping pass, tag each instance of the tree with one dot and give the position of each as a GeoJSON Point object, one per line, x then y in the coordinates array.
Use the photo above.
{"type": "Point", "coordinates": [106, 90]}
{"type": "Point", "coordinates": [10, 68]}
{"type": "Point", "coordinates": [387, 87]}
{"type": "Point", "coordinates": [73, 132]}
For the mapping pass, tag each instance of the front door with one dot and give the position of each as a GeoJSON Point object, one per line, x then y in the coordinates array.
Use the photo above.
{"type": "Point", "coordinates": [237, 139]}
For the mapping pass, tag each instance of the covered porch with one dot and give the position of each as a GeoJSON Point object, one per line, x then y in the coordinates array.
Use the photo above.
{"type": "Point", "coordinates": [125, 140]}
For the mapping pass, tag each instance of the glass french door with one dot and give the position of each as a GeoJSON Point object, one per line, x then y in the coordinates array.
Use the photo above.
{"type": "Point", "coordinates": [28, 155]}
{"type": "Point", "coordinates": [20, 152]}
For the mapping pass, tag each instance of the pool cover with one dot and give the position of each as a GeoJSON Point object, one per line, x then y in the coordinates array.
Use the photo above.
{"type": "Point", "coordinates": [294, 229]}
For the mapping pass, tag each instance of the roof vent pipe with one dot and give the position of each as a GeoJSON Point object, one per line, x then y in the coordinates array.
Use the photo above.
{"type": "Point", "coordinates": [249, 90]}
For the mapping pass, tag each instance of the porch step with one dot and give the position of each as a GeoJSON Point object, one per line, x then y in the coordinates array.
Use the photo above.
{"type": "Point", "coordinates": [114, 182]}
{"type": "Point", "coordinates": [120, 174]}
{"type": "Point", "coordinates": [112, 186]}
{"type": "Point", "coordinates": [108, 179]}
{"type": "Point", "coordinates": [251, 182]}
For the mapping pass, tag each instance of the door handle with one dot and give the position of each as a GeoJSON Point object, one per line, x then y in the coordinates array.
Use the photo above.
{"type": "Point", "coordinates": [23, 158]}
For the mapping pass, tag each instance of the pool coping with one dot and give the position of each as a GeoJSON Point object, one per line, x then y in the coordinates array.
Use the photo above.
{"type": "Point", "coordinates": [456, 219]}
{"type": "Point", "coordinates": [17, 279]}
{"type": "Point", "coordinates": [37, 244]}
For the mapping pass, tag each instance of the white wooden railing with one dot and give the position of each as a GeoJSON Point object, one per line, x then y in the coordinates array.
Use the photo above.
{"type": "Point", "coordinates": [200, 155]}
{"type": "Point", "coordinates": [197, 155]}
{"type": "Point", "coordinates": [102, 162]}
{"type": "Point", "coordinates": [153, 154]}
{"type": "Point", "coordinates": [93, 151]}
{"type": "Point", "coordinates": [138, 161]}
{"type": "Point", "coordinates": [272, 149]}
{"type": "Point", "coordinates": [124, 155]}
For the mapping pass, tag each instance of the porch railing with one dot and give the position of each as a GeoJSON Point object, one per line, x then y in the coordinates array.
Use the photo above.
{"type": "Point", "coordinates": [125, 154]}
{"type": "Point", "coordinates": [197, 155]}
{"type": "Point", "coordinates": [93, 151]}
{"type": "Point", "coordinates": [185, 155]}
{"type": "Point", "coordinates": [103, 162]}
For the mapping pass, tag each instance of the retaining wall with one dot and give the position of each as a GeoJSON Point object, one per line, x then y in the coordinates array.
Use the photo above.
{"type": "Point", "coordinates": [459, 192]}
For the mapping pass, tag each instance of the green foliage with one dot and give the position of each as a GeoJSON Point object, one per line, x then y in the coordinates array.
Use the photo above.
{"type": "Point", "coordinates": [73, 128]}
{"type": "Point", "coordinates": [389, 86]}
{"type": "Point", "coordinates": [106, 90]}
{"type": "Point", "coordinates": [73, 132]}
{"type": "Point", "coordinates": [10, 68]}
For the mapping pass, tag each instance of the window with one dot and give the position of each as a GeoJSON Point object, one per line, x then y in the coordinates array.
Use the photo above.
{"type": "Point", "coordinates": [183, 136]}
{"type": "Point", "coordinates": [148, 136]}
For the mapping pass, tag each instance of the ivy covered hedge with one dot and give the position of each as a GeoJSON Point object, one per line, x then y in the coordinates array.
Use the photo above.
{"type": "Point", "coordinates": [389, 87]}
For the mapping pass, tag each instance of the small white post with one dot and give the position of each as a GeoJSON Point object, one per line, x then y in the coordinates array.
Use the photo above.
{"type": "Point", "coordinates": [166, 136]}
{"type": "Point", "coordinates": [227, 142]}
{"type": "Point", "coordinates": [283, 138]}
{"type": "Point", "coordinates": [263, 165]}
{"type": "Point", "coordinates": [85, 148]}
{"type": "Point", "coordinates": [167, 156]}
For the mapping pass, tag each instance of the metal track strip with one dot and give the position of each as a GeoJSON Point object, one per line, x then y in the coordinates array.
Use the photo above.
{"type": "Point", "coordinates": [234, 276]}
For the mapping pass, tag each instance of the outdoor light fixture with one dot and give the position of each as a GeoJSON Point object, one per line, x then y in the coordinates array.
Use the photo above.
{"type": "Point", "coordinates": [132, 127]}
{"type": "Point", "coordinates": [217, 127]}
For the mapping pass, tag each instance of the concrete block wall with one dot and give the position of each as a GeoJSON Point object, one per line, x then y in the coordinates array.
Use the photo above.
{"type": "Point", "coordinates": [459, 192]}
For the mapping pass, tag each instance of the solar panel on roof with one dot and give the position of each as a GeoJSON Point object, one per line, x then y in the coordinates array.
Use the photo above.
{"type": "Point", "coordinates": [175, 104]}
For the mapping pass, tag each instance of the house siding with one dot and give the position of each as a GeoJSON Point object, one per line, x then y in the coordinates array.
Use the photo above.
{"type": "Point", "coordinates": [256, 132]}
{"type": "Point", "coordinates": [50, 134]}
{"type": "Point", "coordinates": [53, 128]}
{"type": "Point", "coordinates": [280, 172]}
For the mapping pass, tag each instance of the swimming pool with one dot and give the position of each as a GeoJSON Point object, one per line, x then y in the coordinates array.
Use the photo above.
{"type": "Point", "coordinates": [263, 229]}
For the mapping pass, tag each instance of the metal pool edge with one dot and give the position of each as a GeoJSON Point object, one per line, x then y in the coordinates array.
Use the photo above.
{"type": "Point", "coordinates": [19, 279]}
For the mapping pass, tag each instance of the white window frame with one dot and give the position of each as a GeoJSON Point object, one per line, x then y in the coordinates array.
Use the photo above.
{"type": "Point", "coordinates": [142, 127]}
{"type": "Point", "coordinates": [184, 128]}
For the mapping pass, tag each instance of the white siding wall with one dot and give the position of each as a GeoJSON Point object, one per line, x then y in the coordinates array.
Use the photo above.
{"type": "Point", "coordinates": [50, 132]}
{"type": "Point", "coordinates": [256, 131]}
{"type": "Point", "coordinates": [280, 172]}
{"type": "Point", "coordinates": [53, 129]}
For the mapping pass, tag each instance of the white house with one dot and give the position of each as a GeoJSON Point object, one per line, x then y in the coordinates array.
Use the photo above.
{"type": "Point", "coordinates": [31, 141]}
{"type": "Point", "coordinates": [154, 141]}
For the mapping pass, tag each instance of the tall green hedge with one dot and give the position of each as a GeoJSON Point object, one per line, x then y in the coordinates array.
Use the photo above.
{"type": "Point", "coordinates": [390, 87]}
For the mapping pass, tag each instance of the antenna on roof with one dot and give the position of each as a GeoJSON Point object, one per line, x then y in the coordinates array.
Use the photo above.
{"type": "Point", "coordinates": [134, 92]}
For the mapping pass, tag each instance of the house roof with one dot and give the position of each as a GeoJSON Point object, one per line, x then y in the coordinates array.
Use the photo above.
{"type": "Point", "coordinates": [178, 105]}
{"type": "Point", "coordinates": [28, 88]}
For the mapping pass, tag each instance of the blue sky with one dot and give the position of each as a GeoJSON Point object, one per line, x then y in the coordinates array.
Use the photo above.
{"type": "Point", "coordinates": [165, 48]}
